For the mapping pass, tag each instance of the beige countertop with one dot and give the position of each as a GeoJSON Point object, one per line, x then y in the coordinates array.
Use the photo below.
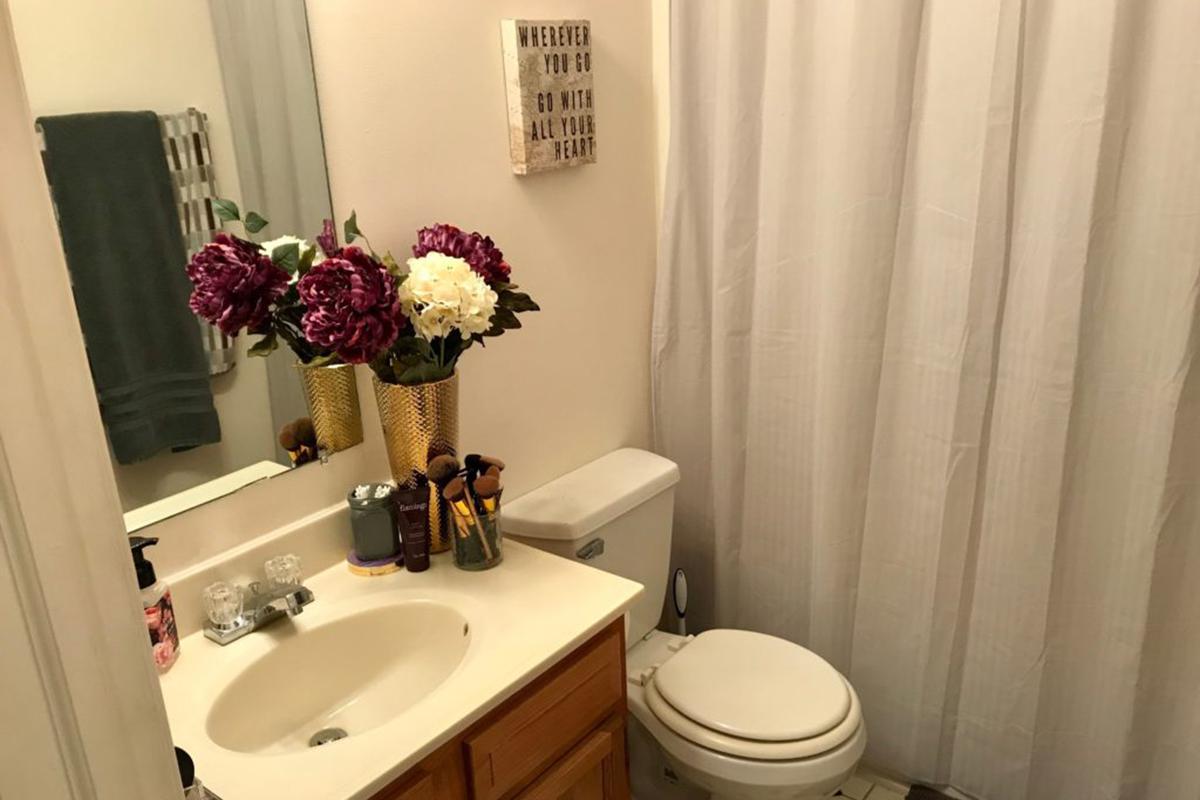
{"type": "Point", "coordinates": [524, 615]}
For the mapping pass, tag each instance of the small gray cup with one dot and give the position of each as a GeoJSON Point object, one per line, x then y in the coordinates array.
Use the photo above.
{"type": "Point", "coordinates": [373, 521]}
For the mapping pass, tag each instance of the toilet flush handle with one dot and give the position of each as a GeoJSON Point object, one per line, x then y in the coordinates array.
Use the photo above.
{"type": "Point", "coordinates": [590, 550]}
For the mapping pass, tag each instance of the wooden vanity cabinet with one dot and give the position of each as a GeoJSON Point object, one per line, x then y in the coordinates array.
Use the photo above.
{"type": "Point", "coordinates": [595, 769]}
{"type": "Point", "coordinates": [560, 738]}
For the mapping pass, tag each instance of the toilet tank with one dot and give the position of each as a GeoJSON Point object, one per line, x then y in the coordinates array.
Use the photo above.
{"type": "Point", "coordinates": [615, 514]}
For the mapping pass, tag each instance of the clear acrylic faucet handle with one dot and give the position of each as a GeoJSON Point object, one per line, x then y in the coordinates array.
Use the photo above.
{"type": "Point", "coordinates": [283, 570]}
{"type": "Point", "coordinates": [223, 603]}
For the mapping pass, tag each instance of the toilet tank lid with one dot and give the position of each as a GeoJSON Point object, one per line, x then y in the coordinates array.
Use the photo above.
{"type": "Point", "coordinates": [579, 502]}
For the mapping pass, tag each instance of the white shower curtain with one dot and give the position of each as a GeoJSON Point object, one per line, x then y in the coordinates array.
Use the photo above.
{"type": "Point", "coordinates": [925, 349]}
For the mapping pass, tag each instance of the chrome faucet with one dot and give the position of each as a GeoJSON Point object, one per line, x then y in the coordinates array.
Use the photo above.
{"type": "Point", "coordinates": [234, 611]}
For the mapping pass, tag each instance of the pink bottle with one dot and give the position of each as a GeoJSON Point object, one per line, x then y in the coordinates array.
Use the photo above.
{"type": "Point", "coordinates": [156, 604]}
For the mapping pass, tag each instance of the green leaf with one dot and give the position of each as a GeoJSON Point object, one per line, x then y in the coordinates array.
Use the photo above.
{"type": "Point", "coordinates": [412, 347]}
{"type": "Point", "coordinates": [502, 320]}
{"type": "Point", "coordinates": [351, 228]}
{"type": "Point", "coordinates": [424, 372]}
{"type": "Point", "coordinates": [254, 222]}
{"type": "Point", "coordinates": [306, 260]}
{"type": "Point", "coordinates": [506, 318]}
{"type": "Point", "coordinates": [287, 257]}
{"type": "Point", "coordinates": [393, 267]}
{"type": "Point", "coordinates": [412, 360]}
{"type": "Point", "coordinates": [322, 360]}
{"type": "Point", "coordinates": [381, 365]}
{"type": "Point", "coordinates": [264, 346]}
{"type": "Point", "coordinates": [518, 301]}
{"type": "Point", "coordinates": [227, 210]}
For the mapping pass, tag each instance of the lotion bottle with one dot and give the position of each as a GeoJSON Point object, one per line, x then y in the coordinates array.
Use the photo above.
{"type": "Point", "coordinates": [156, 605]}
{"type": "Point", "coordinates": [412, 511]}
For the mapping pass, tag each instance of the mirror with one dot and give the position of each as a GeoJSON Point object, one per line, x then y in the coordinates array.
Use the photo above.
{"type": "Point", "coordinates": [147, 113]}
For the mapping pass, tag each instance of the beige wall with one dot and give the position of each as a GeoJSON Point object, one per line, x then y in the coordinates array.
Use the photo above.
{"type": "Point", "coordinates": [79, 55]}
{"type": "Point", "coordinates": [413, 106]}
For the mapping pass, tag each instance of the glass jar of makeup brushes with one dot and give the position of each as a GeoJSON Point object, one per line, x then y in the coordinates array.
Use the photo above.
{"type": "Point", "coordinates": [472, 492]}
{"type": "Point", "coordinates": [477, 537]}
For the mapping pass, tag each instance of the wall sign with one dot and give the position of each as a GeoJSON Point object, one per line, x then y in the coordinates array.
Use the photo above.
{"type": "Point", "coordinates": [551, 107]}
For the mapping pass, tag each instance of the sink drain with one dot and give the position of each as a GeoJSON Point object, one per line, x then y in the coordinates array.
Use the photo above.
{"type": "Point", "coordinates": [325, 736]}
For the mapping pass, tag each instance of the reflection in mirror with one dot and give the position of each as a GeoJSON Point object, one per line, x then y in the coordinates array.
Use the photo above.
{"type": "Point", "coordinates": [148, 112]}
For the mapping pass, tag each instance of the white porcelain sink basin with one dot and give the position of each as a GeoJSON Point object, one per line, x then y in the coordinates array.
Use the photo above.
{"type": "Point", "coordinates": [346, 676]}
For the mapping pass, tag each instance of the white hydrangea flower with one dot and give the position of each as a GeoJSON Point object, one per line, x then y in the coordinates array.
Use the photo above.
{"type": "Point", "coordinates": [443, 294]}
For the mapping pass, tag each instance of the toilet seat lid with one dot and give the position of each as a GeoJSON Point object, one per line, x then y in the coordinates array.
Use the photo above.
{"type": "Point", "coordinates": [754, 687]}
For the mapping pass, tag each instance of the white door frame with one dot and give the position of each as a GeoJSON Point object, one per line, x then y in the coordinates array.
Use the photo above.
{"type": "Point", "coordinates": [83, 714]}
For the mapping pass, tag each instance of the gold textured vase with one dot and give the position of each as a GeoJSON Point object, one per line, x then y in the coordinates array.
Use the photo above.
{"type": "Point", "coordinates": [420, 422]}
{"type": "Point", "coordinates": [332, 396]}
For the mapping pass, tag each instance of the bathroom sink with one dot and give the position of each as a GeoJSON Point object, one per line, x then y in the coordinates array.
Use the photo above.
{"type": "Point", "coordinates": [340, 678]}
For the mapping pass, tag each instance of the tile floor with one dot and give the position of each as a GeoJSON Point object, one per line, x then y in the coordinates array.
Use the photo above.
{"type": "Point", "coordinates": [865, 785]}
{"type": "Point", "coordinates": [858, 788]}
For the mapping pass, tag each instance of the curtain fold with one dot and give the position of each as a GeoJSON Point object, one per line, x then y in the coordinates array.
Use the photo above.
{"type": "Point", "coordinates": [271, 93]}
{"type": "Point", "coordinates": [924, 344]}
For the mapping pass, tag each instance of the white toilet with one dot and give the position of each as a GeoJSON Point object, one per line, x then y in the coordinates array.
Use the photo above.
{"type": "Point", "coordinates": [725, 714]}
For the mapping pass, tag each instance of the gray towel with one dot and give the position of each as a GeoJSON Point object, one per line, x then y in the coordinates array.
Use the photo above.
{"type": "Point", "coordinates": [121, 234]}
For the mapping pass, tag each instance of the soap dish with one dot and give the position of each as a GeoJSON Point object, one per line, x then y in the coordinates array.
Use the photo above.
{"type": "Point", "coordinates": [380, 566]}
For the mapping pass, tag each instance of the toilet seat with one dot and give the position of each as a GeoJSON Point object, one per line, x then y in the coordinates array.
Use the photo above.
{"type": "Point", "coordinates": [751, 748]}
{"type": "Point", "coordinates": [753, 696]}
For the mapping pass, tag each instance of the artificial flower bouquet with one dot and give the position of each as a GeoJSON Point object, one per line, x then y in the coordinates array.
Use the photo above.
{"type": "Point", "coordinates": [334, 303]}
{"type": "Point", "coordinates": [454, 293]}
{"type": "Point", "coordinates": [329, 304]}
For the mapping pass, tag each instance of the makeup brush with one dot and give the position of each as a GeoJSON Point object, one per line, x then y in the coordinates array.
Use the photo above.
{"type": "Point", "coordinates": [305, 433]}
{"type": "Point", "coordinates": [472, 464]}
{"type": "Point", "coordinates": [487, 495]}
{"type": "Point", "coordinates": [442, 469]}
{"type": "Point", "coordinates": [287, 440]}
{"type": "Point", "coordinates": [306, 437]}
{"type": "Point", "coordinates": [455, 490]}
{"type": "Point", "coordinates": [487, 490]}
{"type": "Point", "coordinates": [491, 461]}
{"type": "Point", "coordinates": [460, 500]}
{"type": "Point", "coordinates": [455, 493]}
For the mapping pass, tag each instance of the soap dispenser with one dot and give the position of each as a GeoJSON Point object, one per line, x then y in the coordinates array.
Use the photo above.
{"type": "Point", "coordinates": [156, 604]}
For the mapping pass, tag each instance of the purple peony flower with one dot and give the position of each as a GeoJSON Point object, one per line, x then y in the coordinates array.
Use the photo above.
{"type": "Point", "coordinates": [351, 305]}
{"type": "Point", "coordinates": [327, 239]}
{"type": "Point", "coordinates": [476, 249]}
{"type": "Point", "coordinates": [234, 283]}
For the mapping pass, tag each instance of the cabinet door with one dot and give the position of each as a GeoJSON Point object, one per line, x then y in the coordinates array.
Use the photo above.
{"type": "Point", "coordinates": [595, 769]}
{"type": "Point", "coordinates": [418, 786]}
{"type": "Point", "coordinates": [441, 776]}
{"type": "Point", "coordinates": [523, 739]}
